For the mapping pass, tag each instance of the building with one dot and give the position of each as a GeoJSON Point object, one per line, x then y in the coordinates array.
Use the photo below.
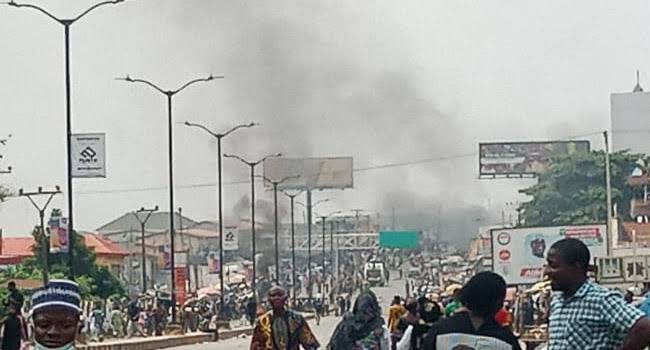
{"type": "Point", "coordinates": [14, 250]}
{"type": "Point", "coordinates": [630, 120]}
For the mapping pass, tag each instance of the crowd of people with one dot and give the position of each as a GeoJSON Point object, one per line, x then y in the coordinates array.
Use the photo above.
{"type": "Point", "coordinates": [581, 315]}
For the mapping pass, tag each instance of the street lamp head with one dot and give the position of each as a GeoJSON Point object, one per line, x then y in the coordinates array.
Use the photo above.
{"type": "Point", "coordinates": [156, 208]}
{"type": "Point", "coordinates": [141, 208]}
{"type": "Point", "coordinates": [126, 78]}
{"type": "Point", "coordinates": [187, 123]}
{"type": "Point", "coordinates": [58, 189]}
{"type": "Point", "coordinates": [252, 124]}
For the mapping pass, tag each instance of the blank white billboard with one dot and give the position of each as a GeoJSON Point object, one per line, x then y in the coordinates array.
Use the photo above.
{"type": "Point", "coordinates": [310, 173]}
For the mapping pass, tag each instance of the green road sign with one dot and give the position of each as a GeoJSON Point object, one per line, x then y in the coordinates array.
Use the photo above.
{"type": "Point", "coordinates": [398, 239]}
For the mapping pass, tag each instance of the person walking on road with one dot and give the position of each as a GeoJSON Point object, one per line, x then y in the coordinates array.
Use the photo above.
{"type": "Point", "coordinates": [585, 315]}
{"type": "Point", "coordinates": [14, 330]}
{"type": "Point", "coordinates": [475, 327]}
{"type": "Point", "coordinates": [280, 328]}
{"type": "Point", "coordinates": [363, 328]}
{"type": "Point", "coordinates": [395, 313]}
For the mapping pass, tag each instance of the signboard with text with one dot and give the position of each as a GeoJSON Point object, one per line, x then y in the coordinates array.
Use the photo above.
{"type": "Point", "coordinates": [88, 155]}
{"type": "Point", "coordinates": [519, 254]}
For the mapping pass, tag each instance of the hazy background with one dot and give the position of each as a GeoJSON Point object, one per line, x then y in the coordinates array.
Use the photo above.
{"type": "Point", "coordinates": [385, 82]}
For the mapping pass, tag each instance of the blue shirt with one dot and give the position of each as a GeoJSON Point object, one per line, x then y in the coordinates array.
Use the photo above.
{"type": "Point", "coordinates": [645, 306]}
{"type": "Point", "coordinates": [593, 318]}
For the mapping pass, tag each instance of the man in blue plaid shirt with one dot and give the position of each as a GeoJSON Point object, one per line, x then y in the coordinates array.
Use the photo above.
{"type": "Point", "coordinates": [584, 315]}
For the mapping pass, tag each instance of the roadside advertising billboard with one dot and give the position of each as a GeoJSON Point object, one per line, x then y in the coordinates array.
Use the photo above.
{"type": "Point", "coordinates": [310, 173]}
{"type": "Point", "coordinates": [523, 159]}
{"type": "Point", "coordinates": [519, 254]}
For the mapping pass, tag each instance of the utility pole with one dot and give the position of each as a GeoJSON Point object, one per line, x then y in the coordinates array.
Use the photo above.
{"type": "Point", "coordinates": [292, 197]}
{"type": "Point", "coordinates": [219, 138]}
{"type": "Point", "coordinates": [275, 185]}
{"type": "Point", "coordinates": [143, 224]}
{"type": "Point", "coordinates": [169, 94]}
{"type": "Point", "coordinates": [41, 214]}
{"type": "Point", "coordinates": [252, 166]}
{"type": "Point", "coordinates": [608, 186]}
{"type": "Point", "coordinates": [309, 206]}
{"type": "Point", "coordinates": [67, 23]}
{"type": "Point", "coordinates": [323, 218]}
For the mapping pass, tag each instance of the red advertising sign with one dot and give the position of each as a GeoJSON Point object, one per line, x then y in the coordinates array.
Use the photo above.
{"type": "Point", "coordinates": [180, 281]}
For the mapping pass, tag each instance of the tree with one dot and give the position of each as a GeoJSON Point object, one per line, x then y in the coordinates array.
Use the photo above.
{"type": "Point", "coordinates": [572, 191]}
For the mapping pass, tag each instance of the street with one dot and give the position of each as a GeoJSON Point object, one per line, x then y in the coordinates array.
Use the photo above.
{"type": "Point", "coordinates": [322, 332]}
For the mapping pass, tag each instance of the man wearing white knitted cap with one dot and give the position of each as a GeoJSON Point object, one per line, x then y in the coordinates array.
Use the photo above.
{"type": "Point", "coordinates": [55, 315]}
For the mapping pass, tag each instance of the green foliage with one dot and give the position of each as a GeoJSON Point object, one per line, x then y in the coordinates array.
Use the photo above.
{"type": "Point", "coordinates": [572, 191]}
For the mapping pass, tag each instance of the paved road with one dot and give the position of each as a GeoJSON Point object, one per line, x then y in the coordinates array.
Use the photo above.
{"type": "Point", "coordinates": [323, 331]}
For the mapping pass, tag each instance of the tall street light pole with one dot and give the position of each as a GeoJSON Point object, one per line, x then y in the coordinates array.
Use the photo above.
{"type": "Point", "coordinates": [252, 166]}
{"type": "Point", "coordinates": [41, 214]}
{"type": "Point", "coordinates": [323, 223]}
{"type": "Point", "coordinates": [143, 224]}
{"type": "Point", "coordinates": [219, 137]}
{"type": "Point", "coordinates": [275, 185]}
{"type": "Point", "coordinates": [170, 133]}
{"type": "Point", "coordinates": [292, 197]}
{"type": "Point", "coordinates": [67, 23]}
{"type": "Point", "coordinates": [309, 207]}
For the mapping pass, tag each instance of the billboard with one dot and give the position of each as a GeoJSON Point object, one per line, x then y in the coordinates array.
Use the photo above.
{"type": "Point", "coordinates": [519, 254]}
{"type": "Point", "coordinates": [398, 239]}
{"type": "Point", "coordinates": [523, 159]}
{"type": "Point", "coordinates": [310, 173]}
{"type": "Point", "coordinates": [88, 155]}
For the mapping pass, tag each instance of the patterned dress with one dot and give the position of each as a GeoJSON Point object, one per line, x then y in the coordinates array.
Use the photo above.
{"type": "Point", "coordinates": [288, 331]}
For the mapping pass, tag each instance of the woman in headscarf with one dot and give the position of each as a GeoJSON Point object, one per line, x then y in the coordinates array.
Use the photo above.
{"type": "Point", "coordinates": [363, 328]}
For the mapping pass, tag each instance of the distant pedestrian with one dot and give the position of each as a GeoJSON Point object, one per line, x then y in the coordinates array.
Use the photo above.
{"type": "Point", "coordinates": [14, 330]}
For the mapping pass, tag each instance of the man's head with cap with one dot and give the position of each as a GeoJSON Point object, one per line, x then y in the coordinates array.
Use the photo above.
{"type": "Point", "coordinates": [55, 313]}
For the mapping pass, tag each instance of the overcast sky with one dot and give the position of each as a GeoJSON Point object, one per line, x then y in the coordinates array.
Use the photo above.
{"type": "Point", "coordinates": [382, 81]}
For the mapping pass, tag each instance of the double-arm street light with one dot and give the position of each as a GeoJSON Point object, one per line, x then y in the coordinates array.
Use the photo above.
{"type": "Point", "coordinates": [143, 223]}
{"type": "Point", "coordinates": [66, 23]}
{"type": "Point", "coordinates": [309, 209]}
{"type": "Point", "coordinates": [41, 214]}
{"type": "Point", "coordinates": [170, 131]}
{"type": "Point", "coordinates": [219, 137]}
{"type": "Point", "coordinates": [252, 166]}
{"type": "Point", "coordinates": [292, 197]}
{"type": "Point", "coordinates": [275, 185]}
